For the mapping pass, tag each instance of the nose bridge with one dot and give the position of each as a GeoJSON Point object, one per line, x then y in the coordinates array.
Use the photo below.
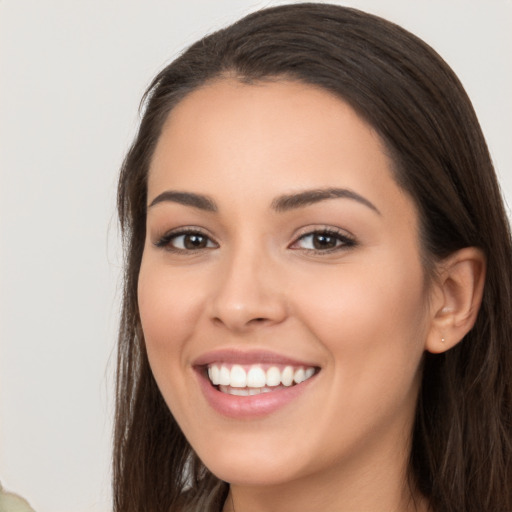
{"type": "Point", "coordinates": [248, 292]}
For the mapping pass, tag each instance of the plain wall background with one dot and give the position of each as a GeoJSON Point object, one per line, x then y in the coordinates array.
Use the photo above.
{"type": "Point", "coordinates": [71, 76]}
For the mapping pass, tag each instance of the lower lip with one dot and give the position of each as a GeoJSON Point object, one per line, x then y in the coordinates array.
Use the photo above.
{"type": "Point", "coordinates": [252, 406]}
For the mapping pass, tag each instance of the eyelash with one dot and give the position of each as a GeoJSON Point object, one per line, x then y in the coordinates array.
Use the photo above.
{"type": "Point", "coordinates": [343, 241]}
{"type": "Point", "coordinates": [165, 241]}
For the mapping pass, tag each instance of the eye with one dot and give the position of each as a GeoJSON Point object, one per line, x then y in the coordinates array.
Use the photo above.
{"type": "Point", "coordinates": [323, 241]}
{"type": "Point", "coordinates": [188, 240]}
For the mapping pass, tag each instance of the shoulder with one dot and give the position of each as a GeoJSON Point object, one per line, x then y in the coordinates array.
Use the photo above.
{"type": "Point", "coordinates": [13, 503]}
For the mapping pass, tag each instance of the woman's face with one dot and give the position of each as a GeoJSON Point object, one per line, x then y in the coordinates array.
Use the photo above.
{"type": "Point", "coordinates": [279, 248]}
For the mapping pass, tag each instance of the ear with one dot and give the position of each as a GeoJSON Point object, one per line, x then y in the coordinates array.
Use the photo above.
{"type": "Point", "coordinates": [456, 298]}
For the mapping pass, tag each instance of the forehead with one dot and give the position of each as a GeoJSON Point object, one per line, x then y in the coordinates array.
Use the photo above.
{"type": "Point", "coordinates": [300, 114]}
{"type": "Point", "coordinates": [268, 138]}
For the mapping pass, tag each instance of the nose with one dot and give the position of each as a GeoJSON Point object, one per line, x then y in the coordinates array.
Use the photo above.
{"type": "Point", "coordinates": [248, 293]}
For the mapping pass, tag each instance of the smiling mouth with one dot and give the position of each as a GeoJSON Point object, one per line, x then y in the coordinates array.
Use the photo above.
{"type": "Point", "coordinates": [255, 379]}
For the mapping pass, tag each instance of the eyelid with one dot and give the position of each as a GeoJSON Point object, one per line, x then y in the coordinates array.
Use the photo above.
{"type": "Point", "coordinates": [348, 240]}
{"type": "Point", "coordinates": [163, 241]}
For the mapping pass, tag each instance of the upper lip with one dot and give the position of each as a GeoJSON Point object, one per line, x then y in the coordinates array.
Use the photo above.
{"type": "Point", "coordinates": [238, 356]}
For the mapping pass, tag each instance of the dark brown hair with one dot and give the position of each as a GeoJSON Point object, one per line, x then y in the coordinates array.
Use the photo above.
{"type": "Point", "coordinates": [461, 449]}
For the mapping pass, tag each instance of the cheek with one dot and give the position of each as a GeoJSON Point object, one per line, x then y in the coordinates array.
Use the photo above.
{"type": "Point", "coordinates": [373, 327]}
{"type": "Point", "coordinates": [169, 311]}
{"type": "Point", "coordinates": [372, 323]}
{"type": "Point", "coordinates": [361, 299]}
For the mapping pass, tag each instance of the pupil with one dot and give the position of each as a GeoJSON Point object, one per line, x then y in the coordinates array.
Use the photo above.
{"type": "Point", "coordinates": [324, 242]}
{"type": "Point", "coordinates": [195, 241]}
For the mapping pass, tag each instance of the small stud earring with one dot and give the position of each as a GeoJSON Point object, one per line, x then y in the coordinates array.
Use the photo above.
{"type": "Point", "coordinates": [442, 340]}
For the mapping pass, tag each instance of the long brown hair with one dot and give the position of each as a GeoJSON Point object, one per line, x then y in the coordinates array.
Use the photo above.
{"type": "Point", "coordinates": [462, 440]}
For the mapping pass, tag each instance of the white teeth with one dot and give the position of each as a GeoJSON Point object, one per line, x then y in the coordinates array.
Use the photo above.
{"type": "Point", "coordinates": [213, 373]}
{"type": "Point", "coordinates": [224, 376]}
{"type": "Point", "coordinates": [273, 376]}
{"type": "Point", "coordinates": [299, 376]}
{"type": "Point", "coordinates": [239, 392]}
{"type": "Point", "coordinates": [256, 378]}
{"type": "Point", "coordinates": [246, 391]}
{"type": "Point", "coordinates": [238, 377]}
{"type": "Point", "coordinates": [287, 376]}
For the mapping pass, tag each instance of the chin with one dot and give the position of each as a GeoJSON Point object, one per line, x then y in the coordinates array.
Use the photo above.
{"type": "Point", "coordinates": [253, 467]}
{"type": "Point", "coordinates": [252, 474]}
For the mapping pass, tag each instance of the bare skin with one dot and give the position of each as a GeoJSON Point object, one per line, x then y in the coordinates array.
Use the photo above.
{"type": "Point", "coordinates": [335, 281]}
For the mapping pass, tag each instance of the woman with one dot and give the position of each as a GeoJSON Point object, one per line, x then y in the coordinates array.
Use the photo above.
{"type": "Point", "coordinates": [317, 291]}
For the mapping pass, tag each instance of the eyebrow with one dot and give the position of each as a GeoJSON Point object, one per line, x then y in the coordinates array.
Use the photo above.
{"type": "Point", "coordinates": [186, 198]}
{"type": "Point", "coordinates": [280, 204]}
{"type": "Point", "coordinates": [299, 200]}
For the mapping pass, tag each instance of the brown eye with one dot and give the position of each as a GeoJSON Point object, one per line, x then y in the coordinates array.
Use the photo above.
{"type": "Point", "coordinates": [194, 241]}
{"type": "Point", "coordinates": [323, 241]}
{"type": "Point", "coordinates": [186, 241]}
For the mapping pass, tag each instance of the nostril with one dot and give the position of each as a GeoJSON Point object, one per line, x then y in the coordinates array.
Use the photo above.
{"type": "Point", "coordinates": [259, 320]}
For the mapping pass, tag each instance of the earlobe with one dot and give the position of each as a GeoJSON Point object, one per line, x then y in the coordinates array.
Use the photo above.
{"type": "Point", "coordinates": [459, 291]}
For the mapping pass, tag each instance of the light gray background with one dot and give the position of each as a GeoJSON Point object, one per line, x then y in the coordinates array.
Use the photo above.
{"type": "Point", "coordinates": [71, 76]}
